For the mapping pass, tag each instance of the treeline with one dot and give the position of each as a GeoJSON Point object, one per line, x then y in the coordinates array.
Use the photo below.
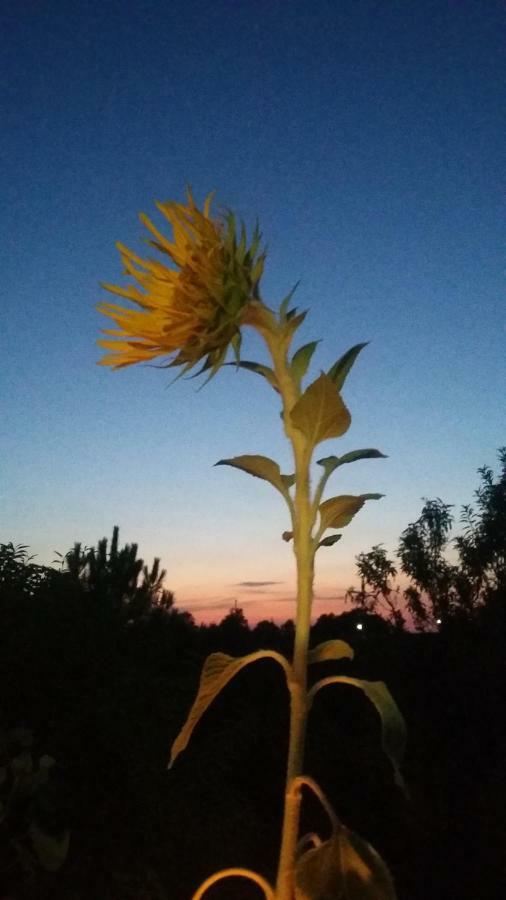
{"type": "Point", "coordinates": [439, 590]}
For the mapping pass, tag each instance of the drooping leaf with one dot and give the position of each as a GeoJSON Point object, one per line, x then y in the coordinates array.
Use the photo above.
{"type": "Point", "coordinates": [340, 369]}
{"type": "Point", "coordinates": [335, 649]}
{"type": "Point", "coordinates": [330, 463]}
{"type": "Point", "coordinates": [260, 369]}
{"type": "Point", "coordinates": [301, 360]}
{"type": "Point", "coordinates": [343, 868]}
{"type": "Point", "coordinates": [330, 540]}
{"type": "Point", "coordinates": [218, 669]}
{"type": "Point", "coordinates": [393, 728]}
{"type": "Point", "coordinates": [320, 412]}
{"type": "Point", "coordinates": [339, 511]}
{"type": "Point", "coordinates": [260, 467]}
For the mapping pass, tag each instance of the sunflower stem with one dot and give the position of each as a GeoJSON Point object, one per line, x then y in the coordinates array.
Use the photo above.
{"type": "Point", "coordinates": [303, 516]}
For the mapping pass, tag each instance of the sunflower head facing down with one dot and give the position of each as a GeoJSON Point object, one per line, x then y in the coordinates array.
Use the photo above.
{"type": "Point", "coordinates": [195, 310]}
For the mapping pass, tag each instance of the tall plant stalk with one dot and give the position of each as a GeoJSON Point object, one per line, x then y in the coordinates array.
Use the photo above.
{"type": "Point", "coordinates": [198, 313]}
{"type": "Point", "coordinates": [302, 522]}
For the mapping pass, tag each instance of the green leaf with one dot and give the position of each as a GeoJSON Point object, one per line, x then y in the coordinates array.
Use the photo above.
{"type": "Point", "coordinates": [320, 412]}
{"type": "Point", "coordinates": [339, 511]}
{"type": "Point", "coordinates": [340, 369]}
{"type": "Point", "coordinates": [330, 650]}
{"type": "Point", "coordinates": [293, 321]}
{"type": "Point", "coordinates": [343, 868]}
{"type": "Point", "coordinates": [241, 249]}
{"type": "Point", "coordinates": [265, 371]}
{"type": "Point", "coordinates": [301, 360]}
{"type": "Point", "coordinates": [393, 727]}
{"type": "Point", "coordinates": [286, 302]}
{"type": "Point", "coordinates": [261, 467]}
{"type": "Point", "coordinates": [330, 540]}
{"type": "Point", "coordinates": [235, 343]}
{"type": "Point", "coordinates": [330, 463]}
{"type": "Point", "coordinates": [218, 670]}
{"type": "Point", "coordinates": [51, 850]}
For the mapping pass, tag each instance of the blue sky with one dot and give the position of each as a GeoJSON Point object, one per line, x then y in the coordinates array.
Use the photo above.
{"type": "Point", "coordinates": [368, 138]}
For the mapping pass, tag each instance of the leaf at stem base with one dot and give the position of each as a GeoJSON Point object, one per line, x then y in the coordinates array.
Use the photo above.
{"type": "Point", "coordinates": [343, 868]}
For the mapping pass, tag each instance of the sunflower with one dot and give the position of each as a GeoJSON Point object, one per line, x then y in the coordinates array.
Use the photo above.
{"type": "Point", "coordinates": [195, 310]}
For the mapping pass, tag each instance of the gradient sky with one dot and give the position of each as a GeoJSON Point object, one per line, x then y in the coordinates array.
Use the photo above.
{"type": "Point", "coordinates": [368, 138]}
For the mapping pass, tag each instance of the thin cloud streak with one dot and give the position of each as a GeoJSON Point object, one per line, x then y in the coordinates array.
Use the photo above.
{"type": "Point", "coordinates": [254, 584]}
{"type": "Point", "coordinates": [200, 605]}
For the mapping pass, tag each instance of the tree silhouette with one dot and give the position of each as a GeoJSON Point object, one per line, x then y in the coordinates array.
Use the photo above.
{"type": "Point", "coordinates": [421, 551]}
{"type": "Point", "coordinates": [482, 546]}
{"type": "Point", "coordinates": [234, 631]}
{"type": "Point", "coordinates": [376, 593]}
{"type": "Point", "coordinates": [440, 591]}
{"type": "Point", "coordinates": [17, 572]}
{"type": "Point", "coordinates": [266, 635]}
{"type": "Point", "coordinates": [113, 577]}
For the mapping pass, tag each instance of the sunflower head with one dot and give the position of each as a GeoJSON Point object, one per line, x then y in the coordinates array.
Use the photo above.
{"type": "Point", "coordinates": [194, 308]}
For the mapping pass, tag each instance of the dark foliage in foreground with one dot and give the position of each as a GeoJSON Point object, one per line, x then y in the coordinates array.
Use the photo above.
{"type": "Point", "coordinates": [98, 665]}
